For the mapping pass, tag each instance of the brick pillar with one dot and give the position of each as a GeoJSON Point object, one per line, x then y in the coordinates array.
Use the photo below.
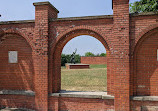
{"type": "Point", "coordinates": [121, 56]}
{"type": "Point", "coordinates": [43, 12]}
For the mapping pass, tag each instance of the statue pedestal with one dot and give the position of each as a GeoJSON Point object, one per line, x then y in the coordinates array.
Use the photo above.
{"type": "Point", "coordinates": [76, 66]}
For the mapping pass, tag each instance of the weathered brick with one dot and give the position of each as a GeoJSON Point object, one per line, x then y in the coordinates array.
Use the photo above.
{"type": "Point", "coordinates": [130, 41]}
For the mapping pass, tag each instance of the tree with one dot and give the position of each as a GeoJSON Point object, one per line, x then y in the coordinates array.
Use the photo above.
{"type": "Point", "coordinates": [77, 58]}
{"type": "Point", "coordinates": [144, 6]}
{"type": "Point", "coordinates": [65, 58]}
{"type": "Point", "coordinates": [89, 54]}
{"type": "Point", "coordinates": [97, 55]}
{"type": "Point", "coordinates": [103, 54]}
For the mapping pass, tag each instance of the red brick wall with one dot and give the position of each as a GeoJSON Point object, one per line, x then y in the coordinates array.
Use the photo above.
{"type": "Point", "coordinates": [16, 76]}
{"type": "Point", "coordinates": [120, 35]}
{"type": "Point", "coordinates": [94, 60]}
{"type": "Point", "coordinates": [120, 54]}
{"type": "Point", "coordinates": [139, 26]}
{"type": "Point", "coordinates": [146, 65]}
{"type": "Point", "coordinates": [148, 105]}
{"type": "Point", "coordinates": [79, 104]}
{"type": "Point", "coordinates": [43, 12]}
{"type": "Point", "coordinates": [65, 30]}
{"type": "Point", "coordinates": [17, 101]}
{"type": "Point", "coordinates": [60, 43]}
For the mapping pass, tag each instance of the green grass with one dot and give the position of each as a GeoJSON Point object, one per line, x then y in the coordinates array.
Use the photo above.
{"type": "Point", "coordinates": [63, 67]}
{"type": "Point", "coordinates": [93, 79]}
{"type": "Point", "coordinates": [98, 66]}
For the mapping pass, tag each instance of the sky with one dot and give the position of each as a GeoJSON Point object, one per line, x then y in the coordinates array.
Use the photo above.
{"type": "Point", "coordinates": [12, 10]}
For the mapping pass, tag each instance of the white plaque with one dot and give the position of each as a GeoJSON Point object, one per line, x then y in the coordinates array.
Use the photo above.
{"type": "Point", "coordinates": [13, 56]}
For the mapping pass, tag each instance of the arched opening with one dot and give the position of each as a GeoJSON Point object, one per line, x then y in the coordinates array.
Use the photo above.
{"type": "Point", "coordinates": [16, 72]}
{"type": "Point", "coordinates": [146, 64]}
{"type": "Point", "coordinates": [90, 51]}
{"type": "Point", "coordinates": [56, 74]}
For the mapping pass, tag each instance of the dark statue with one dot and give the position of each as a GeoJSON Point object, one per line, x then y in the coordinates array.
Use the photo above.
{"type": "Point", "coordinates": [72, 59]}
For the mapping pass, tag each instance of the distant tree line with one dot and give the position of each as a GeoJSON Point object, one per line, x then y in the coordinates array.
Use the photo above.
{"type": "Point", "coordinates": [65, 58]}
{"type": "Point", "coordinates": [90, 54]}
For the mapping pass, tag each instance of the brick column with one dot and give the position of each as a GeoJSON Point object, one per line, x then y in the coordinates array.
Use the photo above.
{"type": "Point", "coordinates": [43, 12]}
{"type": "Point", "coordinates": [121, 55]}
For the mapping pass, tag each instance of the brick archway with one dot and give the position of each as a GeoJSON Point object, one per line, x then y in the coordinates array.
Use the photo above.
{"type": "Point", "coordinates": [17, 32]}
{"type": "Point", "coordinates": [19, 75]}
{"type": "Point", "coordinates": [145, 60]}
{"type": "Point", "coordinates": [25, 55]}
{"type": "Point", "coordinates": [61, 42]}
{"type": "Point", "coordinates": [147, 30]}
{"type": "Point", "coordinates": [122, 34]}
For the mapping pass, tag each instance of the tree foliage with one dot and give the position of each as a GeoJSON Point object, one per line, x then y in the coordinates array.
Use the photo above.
{"type": "Point", "coordinates": [89, 54]}
{"type": "Point", "coordinates": [103, 54]}
{"type": "Point", "coordinates": [144, 6]}
{"type": "Point", "coordinates": [65, 58]}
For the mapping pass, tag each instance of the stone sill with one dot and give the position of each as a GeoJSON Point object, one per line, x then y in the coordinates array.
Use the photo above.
{"type": "Point", "coordinates": [77, 94]}
{"type": "Point", "coordinates": [144, 98]}
{"type": "Point", "coordinates": [17, 92]}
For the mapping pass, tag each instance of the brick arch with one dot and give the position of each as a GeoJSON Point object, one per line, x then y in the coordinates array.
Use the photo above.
{"type": "Point", "coordinates": [144, 32]}
{"type": "Point", "coordinates": [20, 75]}
{"type": "Point", "coordinates": [61, 42]}
{"type": "Point", "coordinates": [17, 32]}
{"type": "Point", "coordinates": [143, 38]}
{"type": "Point", "coordinates": [92, 32]}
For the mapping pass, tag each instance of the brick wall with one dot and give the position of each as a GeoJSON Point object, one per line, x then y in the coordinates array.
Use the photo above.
{"type": "Point", "coordinates": [120, 54]}
{"type": "Point", "coordinates": [144, 105]}
{"type": "Point", "coordinates": [146, 65]}
{"type": "Point", "coordinates": [80, 104]}
{"type": "Point", "coordinates": [98, 28]}
{"type": "Point", "coordinates": [130, 42]}
{"type": "Point", "coordinates": [17, 101]}
{"type": "Point", "coordinates": [16, 76]}
{"type": "Point", "coordinates": [140, 27]}
{"type": "Point", "coordinates": [94, 60]}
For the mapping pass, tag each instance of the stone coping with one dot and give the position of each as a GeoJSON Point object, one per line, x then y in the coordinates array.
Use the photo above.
{"type": "Point", "coordinates": [76, 64]}
{"type": "Point", "coordinates": [101, 16]}
{"type": "Point", "coordinates": [76, 18]}
{"type": "Point", "coordinates": [17, 92]}
{"type": "Point", "coordinates": [83, 18]}
{"type": "Point", "coordinates": [78, 94]}
{"type": "Point", "coordinates": [16, 22]}
{"type": "Point", "coordinates": [45, 3]}
{"type": "Point", "coordinates": [144, 98]}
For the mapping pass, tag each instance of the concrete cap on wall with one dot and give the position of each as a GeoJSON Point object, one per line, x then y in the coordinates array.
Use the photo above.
{"type": "Point", "coordinates": [45, 3]}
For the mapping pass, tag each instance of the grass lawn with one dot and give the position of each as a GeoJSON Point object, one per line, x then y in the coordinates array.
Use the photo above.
{"type": "Point", "coordinates": [93, 79]}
